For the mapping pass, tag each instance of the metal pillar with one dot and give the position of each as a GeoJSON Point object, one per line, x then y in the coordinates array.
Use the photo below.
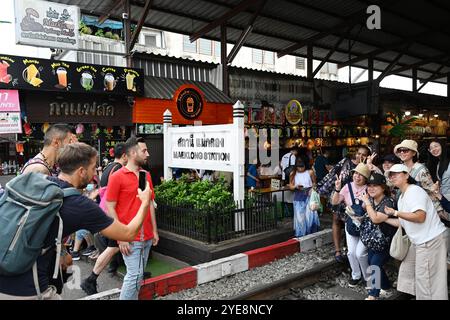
{"type": "Point", "coordinates": [127, 32]}
{"type": "Point", "coordinates": [223, 58]}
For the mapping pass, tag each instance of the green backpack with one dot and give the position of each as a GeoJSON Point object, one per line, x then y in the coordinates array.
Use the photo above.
{"type": "Point", "coordinates": [28, 207]}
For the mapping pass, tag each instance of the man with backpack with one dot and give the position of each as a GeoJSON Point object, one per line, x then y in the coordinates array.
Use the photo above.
{"type": "Point", "coordinates": [89, 285]}
{"type": "Point", "coordinates": [37, 210]}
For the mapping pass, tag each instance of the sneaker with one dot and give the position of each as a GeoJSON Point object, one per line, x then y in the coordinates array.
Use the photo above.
{"type": "Point", "coordinates": [370, 298]}
{"type": "Point", "coordinates": [90, 287]}
{"type": "Point", "coordinates": [354, 282]}
{"type": "Point", "coordinates": [94, 255]}
{"type": "Point", "coordinates": [384, 293]}
{"type": "Point", "coordinates": [88, 251]}
{"type": "Point", "coordinates": [75, 255]}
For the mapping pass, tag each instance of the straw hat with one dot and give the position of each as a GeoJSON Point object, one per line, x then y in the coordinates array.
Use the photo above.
{"type": "Point", "coordinates": [363, 169]}
{"type": "Point", "coordinates": [408, 144]}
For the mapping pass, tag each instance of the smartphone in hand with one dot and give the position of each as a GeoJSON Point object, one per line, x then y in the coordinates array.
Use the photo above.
{"type": "Point", "coordinates": [142, 179]}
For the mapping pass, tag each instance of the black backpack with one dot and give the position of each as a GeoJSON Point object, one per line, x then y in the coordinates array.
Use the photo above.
{"type": "Point", "coordinates": [288, 170]}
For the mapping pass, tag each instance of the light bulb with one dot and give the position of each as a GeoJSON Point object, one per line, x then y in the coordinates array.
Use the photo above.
{"type": "Point", "coordinates": [407, 113]}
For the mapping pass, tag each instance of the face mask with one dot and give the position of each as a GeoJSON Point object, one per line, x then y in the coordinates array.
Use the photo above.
{"type": "Point", "coordinates": [90, 187]}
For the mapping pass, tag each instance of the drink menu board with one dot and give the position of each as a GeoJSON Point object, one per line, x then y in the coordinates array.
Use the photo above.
{"type": "Point", "coordinates": [64, 76]}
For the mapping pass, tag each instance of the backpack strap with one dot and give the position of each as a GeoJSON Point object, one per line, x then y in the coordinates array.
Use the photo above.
{"type": "Point", "coordinates": [36, 281]}
{"type": "Point", "coordinates": [350, 189]}
{"type": "Point", "coordinates": [71, 192]}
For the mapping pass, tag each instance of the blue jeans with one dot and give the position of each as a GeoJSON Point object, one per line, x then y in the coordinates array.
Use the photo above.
{"type": "Point", "coordinates": [135, 262]}
{"type": "Point", "coordinates": [378, 259]}
{"type": "Point", "coordinates": [81, 234]}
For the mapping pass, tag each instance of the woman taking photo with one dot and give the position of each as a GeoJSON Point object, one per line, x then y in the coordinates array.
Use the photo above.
{"type": "Point", "coordinates": [357, 251]}
{"type": "Point", "coordinates": [376, 235]}
{"type": "Point", "coordinates": [302, 181]}
{"type": "Point", "coordinates": [423, 272]}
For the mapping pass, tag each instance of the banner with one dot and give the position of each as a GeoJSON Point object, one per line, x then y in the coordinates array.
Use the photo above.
{"type": "Point", "coordinates": [10, 121]}
{"type": "Point", "coordinates": [47, 24]}
{"type": "Point", "coordinates": [64, 76]}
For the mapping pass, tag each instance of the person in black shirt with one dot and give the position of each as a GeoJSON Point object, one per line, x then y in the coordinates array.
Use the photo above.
{"type": "Point", "coordinates": [110, 254]}
{"type": "Point", "coordinates": [78, 166]}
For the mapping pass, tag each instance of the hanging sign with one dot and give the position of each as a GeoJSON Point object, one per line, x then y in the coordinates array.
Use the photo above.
{"type": "Point", "coordinates": [190, 103]}
{"type": "Point", "coordinates": [64, 76]}
{"type": "Point", "coordinates": [47, 24]}
{"type": "Point", "coordinates": [294, 112]}
{"type": "Point", "coordinates": [10, 121]}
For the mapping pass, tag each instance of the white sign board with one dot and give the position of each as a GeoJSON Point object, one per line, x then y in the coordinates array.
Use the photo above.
{"type": "Point", "coordinates": [47, 24]}
{"type": "Point", "coordinates": [206, 147]}
{"type": "Point", "coordinates": [10, 122]}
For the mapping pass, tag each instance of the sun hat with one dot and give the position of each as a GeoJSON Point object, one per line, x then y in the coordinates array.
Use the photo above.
{"type": "Point", "coordinates": [363, 169]}
{"type": "Point", "coordinates": [377, 179]}
{"type": "Point", "coordinates": [398, 168]}
{"type": "Point", "coordinates": [408, 144]}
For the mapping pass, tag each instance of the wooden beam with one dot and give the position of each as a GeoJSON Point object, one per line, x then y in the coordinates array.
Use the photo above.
{"type": "Point", "coordinates": [309, 62]}
{"type": "Point", "coordinates": [136, 32]}
{"type": "Point", "coordinates": [436, 59]}
{"type": "Point", "coordinates": [223, 58]}
{"type": "Point", "coordinates": [351, 20]}
{"type": "Point", "coordinates": [114, 7]}
{"type": "Point", "coordinates": [231, 13]}
{"type": "Point", "coordinates": [436, 77]}
{"type": "Point", "coordinates": [336, 45]}
{"type": "Point", "coordinates": [430, 77]}
{"type": "Point", "coordinates": [414, 80]}
{"type": "Point", "coordinates": [245, 33]}
{"type": "Point", "coordinates": [389, 67]}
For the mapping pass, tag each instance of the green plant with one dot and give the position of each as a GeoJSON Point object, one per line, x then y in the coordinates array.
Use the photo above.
{"type": "Point", "coordinates": [99, 33]}
{"type": "Point", "coordinates": [109, 35]}
{"type": "Point", "coordinates": [399, 124]}
{"type": "Point", "coordinates": [84, 28]}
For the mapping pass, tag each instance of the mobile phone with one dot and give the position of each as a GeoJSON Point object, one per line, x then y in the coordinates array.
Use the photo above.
{"type": "Point", "coordinates": [142, 179]}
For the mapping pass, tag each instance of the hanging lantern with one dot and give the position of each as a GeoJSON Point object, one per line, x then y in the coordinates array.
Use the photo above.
{"type": "Point", "coordinates": [27, 129]}
{"type": "Point", "coordinates": [19, 148]}
{"type": "Point", "coordinates": [45, 127]}
{"type": "Point", "coordinates": [79, 129]}
{"type": "Point", "coordinates": [111, 152]}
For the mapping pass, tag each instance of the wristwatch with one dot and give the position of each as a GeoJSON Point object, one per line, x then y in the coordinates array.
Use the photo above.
{"type": "Point", "coordinates": [395, 213]}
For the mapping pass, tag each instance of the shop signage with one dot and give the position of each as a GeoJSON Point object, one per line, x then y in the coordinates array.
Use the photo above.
{"type": "Point", "coordinates": [207, 147]}
{"type": "Point", "coordinates": [47, 24]}
{"type": "Point", "coordinates": [9, 100]}
{"type": "Point", "coordinates": [63, 76]}
{"type": "Point", "coordinates": [10, 121]}
{"type": "Point", "coordinates": [190, 103]}
{"type": "Point", "coordinates": [294, 112]}
{"type": "Point", "coordinates": [77, 108]}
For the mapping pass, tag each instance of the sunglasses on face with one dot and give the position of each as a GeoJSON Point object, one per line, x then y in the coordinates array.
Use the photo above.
{"type": "Point", "coordinates": [403, 150]}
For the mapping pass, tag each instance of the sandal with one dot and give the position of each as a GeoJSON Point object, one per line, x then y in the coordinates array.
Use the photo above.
{"type": "Point", "coordinates": [338, 257]}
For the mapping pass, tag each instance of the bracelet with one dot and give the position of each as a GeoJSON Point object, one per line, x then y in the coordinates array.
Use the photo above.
{"type": "Point", "coordinates": [336, 190]}
{"type": "Point", "coordinates": [395, 213]}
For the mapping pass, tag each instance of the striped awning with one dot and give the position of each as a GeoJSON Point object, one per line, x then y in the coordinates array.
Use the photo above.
{"type": "Point", "coordinates": [165, 88]}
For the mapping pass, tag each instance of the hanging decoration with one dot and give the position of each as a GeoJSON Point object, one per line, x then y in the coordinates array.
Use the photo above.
{"type": "Point", "coordinates": [109, 132]}
{"type": "Point", "coordinates": [19, 148]}
{"type": "Point", "coordinates": [45, 127]}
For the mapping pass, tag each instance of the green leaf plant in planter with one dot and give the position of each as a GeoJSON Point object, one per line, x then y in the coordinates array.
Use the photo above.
{"type": "Point", "coordinates": [400, 125]}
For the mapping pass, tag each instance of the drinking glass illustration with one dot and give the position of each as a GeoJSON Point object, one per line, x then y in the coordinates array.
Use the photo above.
{"type": "Point", "coordinates": [190, 104]}
{"type": "Point", "coordinates": [87, 81]}
{"type": "Point", "coordinates": [110, 82]}
{"type": "Point", "coordinates": [130, 81]}
{"type": "Point", "coordinates": [62, 77]}
{"type": "Point", "coordinates": [4, 76]}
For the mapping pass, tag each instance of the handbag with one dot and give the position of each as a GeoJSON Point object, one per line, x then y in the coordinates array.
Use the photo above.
{"type": "Point", "coordinates": [399, 245]}
{"type": "Point", "coordinates": [358, 210]}
{"type": "Point", "coordinates": [314, 201]}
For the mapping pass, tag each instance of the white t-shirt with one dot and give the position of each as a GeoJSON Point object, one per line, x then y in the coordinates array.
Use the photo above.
{"type": "Point", "coordinates": [287, 160]}
{"type": "Point", "coordinates": [415, 198]}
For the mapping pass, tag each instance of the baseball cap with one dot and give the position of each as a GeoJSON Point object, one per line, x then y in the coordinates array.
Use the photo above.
{"type": "Point", "coordinates": [377, 179]}
{"type": "Point", "coordinates": [398, 168]}
{"type": "Point", "coordinates": [391, 158]}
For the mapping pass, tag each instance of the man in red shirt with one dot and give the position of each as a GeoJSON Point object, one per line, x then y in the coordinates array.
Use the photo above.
{"type": "Point", "coordinates": [122, 203]}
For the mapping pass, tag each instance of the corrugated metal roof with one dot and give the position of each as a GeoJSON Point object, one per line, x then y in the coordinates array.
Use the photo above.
{"type": "Point", "coordinates": [164, 88]}
{"type": "Point", "coordinates": [283, 23]}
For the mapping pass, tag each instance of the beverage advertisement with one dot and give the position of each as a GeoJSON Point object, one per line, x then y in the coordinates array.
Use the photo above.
{"type": "Point", "coordinates": [47, 24]}
{"type": "Point", "coordinates": [10, 121]}
{"type": "Point", "coordinates": [64, 76]}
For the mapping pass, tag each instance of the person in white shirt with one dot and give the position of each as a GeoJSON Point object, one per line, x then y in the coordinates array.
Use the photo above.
{"type": "Point", "coordinates": [288, 160]}
{"type": "Point", "coordinates": [423, 272]}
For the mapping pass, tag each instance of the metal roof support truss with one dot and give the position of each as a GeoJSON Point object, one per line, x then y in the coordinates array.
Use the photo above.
{"type": "Point", "coordinates": [141, 21]}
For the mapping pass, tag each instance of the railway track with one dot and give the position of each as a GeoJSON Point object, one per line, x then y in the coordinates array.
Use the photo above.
{"type": "Point", "coordinates": [327, 280]}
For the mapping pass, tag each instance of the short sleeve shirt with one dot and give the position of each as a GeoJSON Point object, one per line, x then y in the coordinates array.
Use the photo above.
{"type": "Point", "coordinates": [344, 194]}
{"type": "Point", "coordinates": [122, 189]}
{"type": "Point", "coordinates": [413, 199]}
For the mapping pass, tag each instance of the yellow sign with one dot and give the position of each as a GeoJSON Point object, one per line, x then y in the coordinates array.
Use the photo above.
{"type": "Point", "coordinates": [294, 112]}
